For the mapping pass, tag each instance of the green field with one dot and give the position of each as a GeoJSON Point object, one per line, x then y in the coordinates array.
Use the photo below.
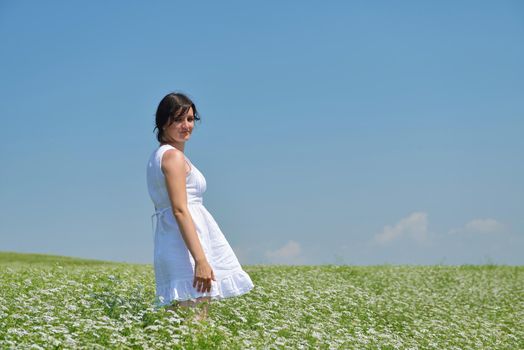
{"type": "Point", "coordinates": [57, 302]}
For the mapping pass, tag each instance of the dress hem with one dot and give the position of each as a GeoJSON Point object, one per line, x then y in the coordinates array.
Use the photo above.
{"type": "Point", "coordinates": [233, 285]}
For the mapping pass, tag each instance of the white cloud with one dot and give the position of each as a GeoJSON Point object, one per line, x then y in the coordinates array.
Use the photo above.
{"type": "Point", "coordinates": [290, 253]}
{"type": "Point", "coordinates": [479, 226]}
{"type": "Point", "coordinates": [414, 226]}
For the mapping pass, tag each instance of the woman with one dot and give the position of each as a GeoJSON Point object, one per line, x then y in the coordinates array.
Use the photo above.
{"type": "Point", "coordinates": [193, 261]}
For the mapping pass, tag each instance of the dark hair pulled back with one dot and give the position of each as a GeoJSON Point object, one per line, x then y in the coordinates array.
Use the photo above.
{"type": "Point", "coordinates": [172, 105]}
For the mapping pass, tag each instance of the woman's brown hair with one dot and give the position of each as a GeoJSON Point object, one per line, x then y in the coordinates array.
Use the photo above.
{"type": "Point", "coordinates": [172, 105]}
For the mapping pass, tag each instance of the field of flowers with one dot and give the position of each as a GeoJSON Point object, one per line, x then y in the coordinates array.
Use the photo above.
{"type": "Point", "coordinates": [53, 302]}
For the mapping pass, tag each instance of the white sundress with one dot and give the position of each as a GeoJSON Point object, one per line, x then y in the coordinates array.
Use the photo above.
{"type": "Point", "coordinates": [174, 265]}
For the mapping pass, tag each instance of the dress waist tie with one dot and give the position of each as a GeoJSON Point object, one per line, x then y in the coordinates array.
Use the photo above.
{"type": "Point", "coordinates": [158, 214]}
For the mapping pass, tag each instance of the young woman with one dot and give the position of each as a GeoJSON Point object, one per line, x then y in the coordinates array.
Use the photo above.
{"type": "Point", "coordinates": [193, 261]}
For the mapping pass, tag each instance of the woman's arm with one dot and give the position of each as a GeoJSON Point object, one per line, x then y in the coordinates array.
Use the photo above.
{"type": "Point", "coordinates": [174, 169]}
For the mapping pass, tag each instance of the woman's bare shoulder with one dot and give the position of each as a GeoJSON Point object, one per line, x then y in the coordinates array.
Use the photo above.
{"type": "Point", "coordinates": [172, 159]}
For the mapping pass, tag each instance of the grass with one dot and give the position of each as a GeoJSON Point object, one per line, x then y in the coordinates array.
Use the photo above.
{"type": "Point", "coordinates": [14, 258]}
{"type": "Point", "coordinates": [58, 302]}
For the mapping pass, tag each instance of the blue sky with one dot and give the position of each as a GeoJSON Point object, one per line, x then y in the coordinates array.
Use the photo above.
{"type": "Point", "coordinates": [349, 132]}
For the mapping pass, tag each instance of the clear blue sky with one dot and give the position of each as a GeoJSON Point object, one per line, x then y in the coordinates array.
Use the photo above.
{"type": "Point", "coordinates": [350, 132]}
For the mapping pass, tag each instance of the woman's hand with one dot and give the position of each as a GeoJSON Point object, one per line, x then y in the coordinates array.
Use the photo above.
{"type": "Point", "coordinates": [203, 276]}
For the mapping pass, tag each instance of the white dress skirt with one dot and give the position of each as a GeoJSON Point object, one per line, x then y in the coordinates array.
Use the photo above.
{"type": "Point", "coordinates": [174, 265]}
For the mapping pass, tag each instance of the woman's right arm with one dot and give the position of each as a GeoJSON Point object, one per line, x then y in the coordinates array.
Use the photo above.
{"type": "Point", "coordinates": [174, 169]}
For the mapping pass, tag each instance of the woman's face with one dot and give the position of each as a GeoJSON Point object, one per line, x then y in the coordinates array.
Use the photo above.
{"type": "Point", "coordinates": [181, 129]}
